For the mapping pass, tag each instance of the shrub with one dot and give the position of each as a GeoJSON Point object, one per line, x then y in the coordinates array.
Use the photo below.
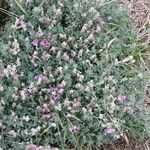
{"type": "Point", "coordinates": [70, 76]}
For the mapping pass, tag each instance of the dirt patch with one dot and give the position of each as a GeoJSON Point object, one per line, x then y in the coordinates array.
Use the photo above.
{"type": "Point", "coordinates": [132, 145]}
{"type": "Point", "coordinates": [140, 15]}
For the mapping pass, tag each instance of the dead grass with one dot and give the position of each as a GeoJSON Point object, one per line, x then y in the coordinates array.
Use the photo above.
{"type": "Point", "coordinates": [133, 145]}
{"type": "Point", "coordinates": [140, 15]}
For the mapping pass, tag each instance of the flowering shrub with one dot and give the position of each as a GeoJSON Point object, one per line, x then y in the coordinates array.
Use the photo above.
{"type": "Point", "coordinates": [70, 76]}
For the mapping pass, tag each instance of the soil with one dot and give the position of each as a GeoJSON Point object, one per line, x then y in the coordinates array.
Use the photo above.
{"type": "Point", "coordinates": [133, 144]}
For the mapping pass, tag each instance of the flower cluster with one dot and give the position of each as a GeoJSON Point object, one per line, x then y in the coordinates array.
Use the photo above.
{"type": "Point", "coordinates": [34, 147]}
{"type": "Point", "coordinates": [56, 93]}
{"type": "Point", "coordinates": [74, 129]}
{"type": "Point", "coordinates": [41, 40]}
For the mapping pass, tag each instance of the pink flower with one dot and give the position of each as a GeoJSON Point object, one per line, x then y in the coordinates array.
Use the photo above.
{"type": "Point", "coordinates": [55, 97]}
{"type": "Point", "coordinates": [43, 109]}
{"type": "Point", "coordinates": [77, 103]}
{"type": "Point", "coordinates": [46, 117]}
{"type": "Point", "coordinates": [42, 79]}
{"type": "Point", "coordinates": [57, 90]}
{"type": "Point", "coordinates": [2, 75]}
{"type": "Point", "coordinates": [39, 77]}
{"type": "Point", "coordinates": [49, 37]}
{"type": "Point", "coordinates": [122, 98]}
{"type": "Point", "coordinates": [45, 56]}
{"type": "Point", "coordinates": [110, 130]}
{"type": "Point", "coordinates": [19, 22]}
{"type": "Point", "coordinates": [66, 57]}
{"type": "Point", "coordinates": [60, 90]}
{"type": "Point", "coordinates": [35, 42]}
{"type": "Point", "coordinates": [24, 94]}
{"type": "Point", "coordinates": [56, 93]}
{"type": "Point", "coordinates": [32, 147]}
{"type": "Point", "coordinates": [101, 23]}
{"type": "Point", "coordinates": [128, 109]}
{"type": "Point", "coordinates": [74, 129]}
{"type": "Point", "coordinates": [16, 77]}
{"type": "Point", "coordinates": [36, 148]}
{"type": "Point", "coordinates": [34, 65]}
{"type": "Point", "coordinates": [44, 43]}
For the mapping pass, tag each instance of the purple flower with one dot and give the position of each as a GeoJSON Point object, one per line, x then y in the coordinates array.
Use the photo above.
{"type": "Point", "coordinates": [56, 93]}
{"type": "Point", "coordinates": [74, 129]}
{"type": "Point", "coordinates": [42, 78]}
{"type": "Point", "coordinates": [39, 77]}
{"type": "Point", "coordinates": [34, 65]}
{"type": "Point", "coordinates": [43, 109]}
{"type": "Point", "coordinates": [60, 90]}
{"type": "Point", "coordinates": [122, 98]}
{"type": "Point", "coordinates": [19, 22]}
{"type": "Point", "coordinates": [53, 89]}
{"type": "Point", "coordinates": [57, 90]}
{"type": "Point", "coordinates": [44, 43]}
{"type": "Point", "coordinates": [35, 42]}
{"type": "Point", "coordinates": [110, 130]}
{"type": "Point", "coordinates": [55, 97]}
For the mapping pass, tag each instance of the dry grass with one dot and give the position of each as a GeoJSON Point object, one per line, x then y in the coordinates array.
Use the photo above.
{"type": "Point", "coordinates": [133, 145]}
{"type": "Point", "coordinates": [140, 14]}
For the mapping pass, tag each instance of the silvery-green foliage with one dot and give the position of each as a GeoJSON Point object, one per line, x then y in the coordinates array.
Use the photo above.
{"type": "Point", "coordinates": [70, 75]}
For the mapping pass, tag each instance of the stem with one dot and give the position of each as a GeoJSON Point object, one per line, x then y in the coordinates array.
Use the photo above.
{"type": "Point", "coordinates": [21, 8]}
{"type": "Point", "coordinates": [8, 12]}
